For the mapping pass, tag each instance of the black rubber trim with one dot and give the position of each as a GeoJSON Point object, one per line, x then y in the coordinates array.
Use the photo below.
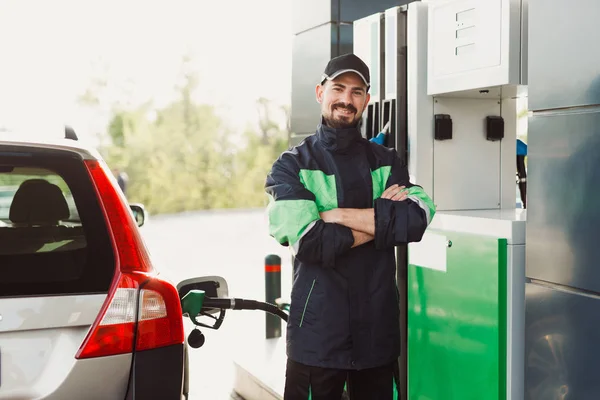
{"type": "Point", "coordinates": [157, 374]}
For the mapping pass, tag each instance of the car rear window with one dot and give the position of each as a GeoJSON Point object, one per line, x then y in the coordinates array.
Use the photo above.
{"type": "Point", "coordinates": [53, 237]}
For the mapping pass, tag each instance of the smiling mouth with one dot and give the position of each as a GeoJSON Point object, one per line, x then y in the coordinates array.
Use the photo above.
{"type": "Point", "coordinates": [345, 111]}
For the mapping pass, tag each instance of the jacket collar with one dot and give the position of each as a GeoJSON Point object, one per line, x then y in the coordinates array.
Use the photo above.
{"type": "Point", "coordinates": [337, 139]}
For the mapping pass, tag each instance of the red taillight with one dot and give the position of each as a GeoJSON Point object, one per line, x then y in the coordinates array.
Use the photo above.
{"type": "Point", "coordinates": [159, 321]}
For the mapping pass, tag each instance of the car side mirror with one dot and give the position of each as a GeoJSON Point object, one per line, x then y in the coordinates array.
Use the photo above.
{"type": "Point", "coordinates": [139, 213]}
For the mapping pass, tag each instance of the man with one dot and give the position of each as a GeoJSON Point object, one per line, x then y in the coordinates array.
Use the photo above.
{"type": "Point", "coordinates": [341, 204]}
{"type": "Point", "coordinates": [122, 180]}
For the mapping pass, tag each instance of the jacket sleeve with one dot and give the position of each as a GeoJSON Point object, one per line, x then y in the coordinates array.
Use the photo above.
{"type": "Point", "coordinates": [294, 219]}
{"type": "Point", "coordinates": [398, 222]}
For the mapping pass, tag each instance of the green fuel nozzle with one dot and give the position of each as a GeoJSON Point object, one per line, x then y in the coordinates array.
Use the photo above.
{"type": "Point", "coordinates": [191, 304]}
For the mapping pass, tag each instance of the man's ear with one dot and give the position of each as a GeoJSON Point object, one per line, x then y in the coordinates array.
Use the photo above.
{"type": "Point", "coordinates": [319, 93]}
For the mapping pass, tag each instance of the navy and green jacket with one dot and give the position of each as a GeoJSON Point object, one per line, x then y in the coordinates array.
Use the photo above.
{"type": "Point", "coordinates": [344, 310]}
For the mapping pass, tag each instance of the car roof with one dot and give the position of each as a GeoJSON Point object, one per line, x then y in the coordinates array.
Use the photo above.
{"type": "Point", "coordinates": [58, 142]}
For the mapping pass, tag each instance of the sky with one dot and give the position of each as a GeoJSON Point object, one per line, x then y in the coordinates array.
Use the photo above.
{"type": "Point", "coordinates": [51, 50]}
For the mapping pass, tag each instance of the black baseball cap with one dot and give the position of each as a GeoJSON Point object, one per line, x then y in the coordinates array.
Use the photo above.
{"type": "Point", "coordinates": [346, 63]}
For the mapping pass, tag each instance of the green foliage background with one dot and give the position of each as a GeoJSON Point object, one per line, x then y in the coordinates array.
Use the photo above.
{"type": "Point", "coordinates": [187, 158]}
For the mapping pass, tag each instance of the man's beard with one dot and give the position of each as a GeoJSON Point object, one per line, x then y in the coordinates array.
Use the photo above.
{"type": "Point", "coordinates": [341, 122]}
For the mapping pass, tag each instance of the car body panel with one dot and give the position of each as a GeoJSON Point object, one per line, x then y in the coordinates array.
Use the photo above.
{"type": "Point", "coordinates": [39, 338]}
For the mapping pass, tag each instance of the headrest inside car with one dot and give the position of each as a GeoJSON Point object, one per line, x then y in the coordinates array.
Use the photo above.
{"type": "Point", "coordinates": [38, 202]}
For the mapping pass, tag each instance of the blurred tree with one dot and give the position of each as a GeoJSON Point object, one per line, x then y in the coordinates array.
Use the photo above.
{"type": "Point", "coordinates": [182, 157]}
{"type": "Point", "coordinates": [254, 161]}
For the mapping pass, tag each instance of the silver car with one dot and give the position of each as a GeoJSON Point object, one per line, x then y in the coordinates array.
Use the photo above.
{"type": "Point", "coordinates": [83, 312]}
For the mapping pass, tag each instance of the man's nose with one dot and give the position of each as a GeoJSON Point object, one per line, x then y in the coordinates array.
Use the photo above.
{"type": "Point", "coordinates": [347, 98]}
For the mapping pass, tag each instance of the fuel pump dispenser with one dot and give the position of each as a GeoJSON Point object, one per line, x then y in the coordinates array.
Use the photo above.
{"type": "Point", "coordinates": [466, 278]}
{"type": "Point", "coordinates": [393, 105]}
{"type": "Point", "coordinates": [368, 39]}
{"type": "Point", "coordinates": [453, 71]}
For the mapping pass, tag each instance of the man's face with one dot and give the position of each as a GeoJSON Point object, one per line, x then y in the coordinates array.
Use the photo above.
{"type": "Point", "coordinates": [343, 100]}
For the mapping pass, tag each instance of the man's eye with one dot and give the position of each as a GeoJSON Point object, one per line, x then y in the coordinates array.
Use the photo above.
{"type": "Point", "coordinates": [358, 93]}
{"type": "Point", "coordinates": [337, 89]}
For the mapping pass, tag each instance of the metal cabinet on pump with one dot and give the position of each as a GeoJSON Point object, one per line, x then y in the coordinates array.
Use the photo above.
{"type": "Point", "coordinates": [466, 277]}
{"type": "Point", "coordinates": [471, 164]}
{"type": "Point", "coordinates": [476, 44]}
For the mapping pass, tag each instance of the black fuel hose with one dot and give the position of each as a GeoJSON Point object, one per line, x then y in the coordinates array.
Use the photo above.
{"type": "Point", "coordinates": [242, 304]}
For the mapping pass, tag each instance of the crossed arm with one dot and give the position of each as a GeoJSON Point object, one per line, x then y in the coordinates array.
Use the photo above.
{"type": "Point", "coordinates": [362, 221]}
{"type": "Point", "coordinates": [320, 238]}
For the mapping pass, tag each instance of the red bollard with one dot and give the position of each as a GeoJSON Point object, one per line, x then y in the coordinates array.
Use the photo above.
{"type": "Point", "coordinates": [272, 293]}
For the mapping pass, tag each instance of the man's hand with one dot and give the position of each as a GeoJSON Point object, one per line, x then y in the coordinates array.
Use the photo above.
{"type": "Point", "coordinates": [361, 238]}
{"type": "Point", "coordinates": [332, 216]}
{"type": "Point", "coordinates": [395, 193]}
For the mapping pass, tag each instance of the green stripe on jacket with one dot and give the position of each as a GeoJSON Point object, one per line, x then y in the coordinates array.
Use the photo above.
{"type": "Point", "coordinates": [289, 218]}
{"type": "Point", "coordinates": [380, 177]}
{"type": "Point", "coordinates": [322, 186]}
